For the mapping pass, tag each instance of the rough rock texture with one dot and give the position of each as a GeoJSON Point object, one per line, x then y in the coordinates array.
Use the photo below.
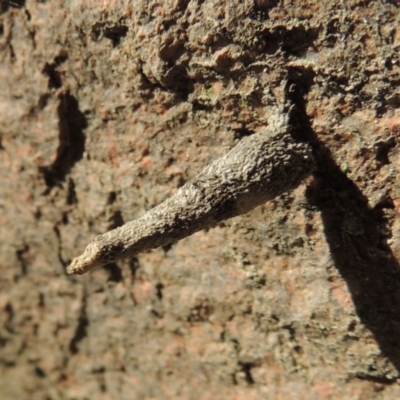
{"type": "Point", "coordinates": [107, 108]}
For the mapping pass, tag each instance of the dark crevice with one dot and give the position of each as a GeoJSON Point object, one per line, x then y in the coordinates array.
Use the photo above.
{"type": "Point", "coordinates": [177, 80]}
{"type": "Point", "coordinates": [81, 329]}
{"type": "Point", "coordinates": [116, 220]}
{"type": "Point", "coordinates": [168, 23]}
{"type": "Point", "coordinates": [12, 53]}
{"type": "Point", "coordinates": [6, 4]}
{"type": "Point", "coordinates": [159, 289]}
{"type": "Point", "coordinates": [9, 311]}
{"type": "Point", "coordinates": [157, 314]}
{"type": "Point", "coordinates": [64, 218]}
{"type": "Point", "coordinates": [200, 312]}
{"type": "Point", "coordinates": [61, 58]}
{"type": "Point", "coordinates": [22, 259]}
{"type": "Point", "coordinates": [382, 149]}
{"type": "Point", "coordinates": [71, 125]}
{"type": "Point", "coordinates": [58, 235]}
{"type": "Point", "coordinates": [243, 367]}
{"type": "Point", "coordinates": [50, 70]}
{"type": "Point", "coordinates": [112, 197]}
{"type": "Point", "coordinates": [39, 372]}
{"type": "Point", "coordinates": [38, 214]}
{"type": "Point", "coordinates": [41, 302]}
{"type": "Point", "coordinates": [362, 256]}
{"type": "Point", "coordinates": [71, 194]}
{"type": "Point", "coordinates": [174, 78]}
{"type": "Point", "coordinates": [234, 380]}
{"type": "Point", "coordinates": [385, 202]}
{"type": "Point", "coordinates": [43, 100]}
{"type": "Point", "coordinates": [298, 84]}
{"type": "Point", "coordinates": [332, 32]}
{"type": "Point", "coordinates": [114, 271]}
{"type": "Point", "coordinates": [115, 33]}
{"type": "Point", "coordinates": [112, 31]}
{"type": "Point", "coordinates": [240, 133]}
{"type": "Point", "coordinates": [246, 369]}
{"type": "Point", "coordinates": [171, 52]}
{"type": "Point", "coordinates": [166, 248]}
{"type": "Point", "coordinates": [261, 9]}
{"type": "Point", "coordinates": [133, 266]}
{"type": "Point", "coordinates": [197, 106]}
{"type": "Point", "coordinates": [291, 331]}
{"type": "Point", "coordinates": [292, 42]}
{"type": "Point", "coordinates": [182, 5]}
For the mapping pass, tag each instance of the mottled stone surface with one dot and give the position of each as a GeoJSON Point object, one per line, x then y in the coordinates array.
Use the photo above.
{"type": "Point", "coordinates": [107, 108]}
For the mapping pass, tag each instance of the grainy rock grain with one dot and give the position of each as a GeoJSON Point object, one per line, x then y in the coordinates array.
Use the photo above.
{"type": "Point", "coordinates": [107, 108]}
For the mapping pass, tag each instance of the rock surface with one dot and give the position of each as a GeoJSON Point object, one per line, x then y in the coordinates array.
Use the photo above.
{"type": "Point", "coordinates": [107, 108]}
